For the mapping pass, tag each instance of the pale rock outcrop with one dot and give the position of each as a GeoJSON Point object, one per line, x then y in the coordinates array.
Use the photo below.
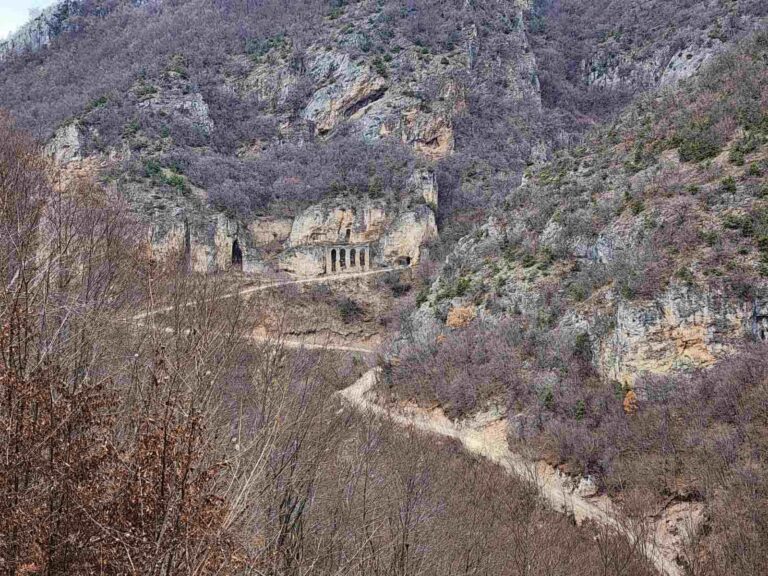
{"type": "Point", "coordinates": [407, 235]}
{"type": "Point", "coordinates": [41, 30]}
{"type": "Point", "coordinates": [176, 100]}
{"type": "Point", "coordinates": [66, 145]}
{"type": "Point", "coordinates": [272, 82]}
{"type": "Point", "coordinates": [350, 87]}
{"type": "Point", "coordinates": [305, 261]}
{"type": "Point", "coordinates": [431, 135]}
{"type": "Point", "coordinates": [270, 229]}
{"type": "Point", "coordinates": [687, 62]}
{"type": "Point", "coordinates": [329, 222]}
{"type": "Point", "coordinates": [682, 329]}
{"type": "Point", "coordinates": [423, 183]}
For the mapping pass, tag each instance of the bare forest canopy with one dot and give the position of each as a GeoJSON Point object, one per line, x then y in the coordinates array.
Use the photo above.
{"type": "Point", "coordinates": [180, 446]}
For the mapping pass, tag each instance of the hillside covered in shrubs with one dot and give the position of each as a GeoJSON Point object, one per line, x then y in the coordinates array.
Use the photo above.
{"type": "Point", "coordinates": [616, 307]}
{"type": "Point", "coordinates": [261, 107]}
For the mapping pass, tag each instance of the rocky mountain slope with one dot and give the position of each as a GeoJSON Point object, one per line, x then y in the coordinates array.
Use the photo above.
{"type": "Point", "coordinates": [213, 118]}
{"type": "Point", "coordinates": [616, 311]}
{"type": "Point", "coordinates": [647, 244]}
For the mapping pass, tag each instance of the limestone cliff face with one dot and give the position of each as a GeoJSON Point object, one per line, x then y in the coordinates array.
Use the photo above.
{"type": "Point", "coordinates": [423, 183]}
{"type": "Point", "coordinates": [338, 221]}
{"type": "Point", "coordinates": [407, 235]}
{"type": "Point", "coordinates": [182, 226]}
{"type": "Point", "coordinates": [349, 88]}
{"type": "Point", "coordinates": [270, 230]}
{"type": "Point", "coordinates": [396, 236]}
{"type": "Point", "coordinates": [684, 328]}
{"type": "Point", "coordinates": [41, 30]}
{"type": "Point", "coordinates": [305, 261]}
{"type": "Point", "coordinates": [174, 98]}
{"type": "Point", "coordinates": [66, 144]}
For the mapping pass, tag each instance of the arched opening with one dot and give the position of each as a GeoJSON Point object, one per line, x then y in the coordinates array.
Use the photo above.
{"type": "Point", "coordinates": [333, 260]}
{"type": "Point", "coordinates": [348, 234]}
{"type": "Point", "coordinates": [362, 258]}
{"type": "Point", "coordinates": [407, 260]}
{"type": "Point", "coordinates": [352, 258]}
{"type": "Point", "coordinates": [237, 255]}
{"type": "Point", "coordinates": [342, 258]}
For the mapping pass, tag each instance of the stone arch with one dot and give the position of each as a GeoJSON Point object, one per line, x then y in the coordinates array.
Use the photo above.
{"type": "Point", "coordinates": [342, 258]}
{"type": "Point", "coordinates": [352, 254]}
{"type": "Point", "coordinates": [362, 257]}
{"type": "Point", "coordinates": [237, 255]}
{"type": "Point", "coordinates": [333, 260]}
{"type": "Point", "coordinates": [348, 235]}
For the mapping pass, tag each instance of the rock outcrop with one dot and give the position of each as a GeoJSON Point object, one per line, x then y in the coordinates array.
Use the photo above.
{"type": "Point", "coordinates": [41, 30]}
{"type": "Point", "coordinates": [407, 235]}
{"type": "Point", "coordinates": [340, 220]}
{"type": "Point", "coordinates": [305, 261]}
{"type": "Point", "coordinates": [66, 145]}
{"type": "Point", "coordinates": [350, 87]}
{"type": "Point", "coordinates": [684, 328]}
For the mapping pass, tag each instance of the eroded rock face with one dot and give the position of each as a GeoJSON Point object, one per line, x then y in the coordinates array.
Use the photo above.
{"type": "Point", "coordinates": [206, 244]}
{"type": "Point", "coordinates": [66, 144]}
{"type": "Point", "coordinates": [407, 235]}
{"type": "Point", "coordinates": [176, 99]}
{"type": "Point", "coordinates": [614, 68]}
{"type": "Point", "coordinates": [350, 87]}
{"type": "Point", "coordinates": [338, 221]}
{"type": "Point", "coordinates": [687, 62]}
{"type": "Point", "coordinates": [682, 329]}
{"type": "Point", "coordinates": [353, 92]}
{"type": "Point", "coordinates": [395, 236]}
{"type": "Point", "coordinates": [268, 230]}
{"type": "Point", "coordinates": [423, 183]}
{"type": "Point", "coordinates": [41, 30]}
{"type": "Point", "coordinates": [304, 261]}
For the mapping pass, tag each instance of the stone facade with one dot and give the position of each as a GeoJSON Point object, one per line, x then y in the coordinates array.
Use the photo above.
{"type": "Point", "coordinates": [347, 258]}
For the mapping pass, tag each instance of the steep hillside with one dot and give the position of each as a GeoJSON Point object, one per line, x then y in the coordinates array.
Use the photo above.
{"type": "Point", "coordinates": [594, 57]}
{"type": "Point", "coordinates": [207, 129]}
{"type": "Point", "coordinates": [664, 210]}
{"type": "Point", "coordinates": [224, 120]}
{"type": "Point", "coordinates": [617, 309]}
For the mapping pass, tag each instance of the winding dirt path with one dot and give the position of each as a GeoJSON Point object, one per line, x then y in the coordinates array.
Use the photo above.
{"type": "Point", "coordinates": [489, 441]}
{"type": "Point", "coordinates": [253, 289]}
{"type": "Point", "coordinates": [305, 345]}
{"type": "Point", "coordinates": [485, 440]}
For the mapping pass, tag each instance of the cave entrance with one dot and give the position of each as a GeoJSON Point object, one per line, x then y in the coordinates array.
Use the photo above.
{"type": "Point", "coordinates": [237, 255]}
